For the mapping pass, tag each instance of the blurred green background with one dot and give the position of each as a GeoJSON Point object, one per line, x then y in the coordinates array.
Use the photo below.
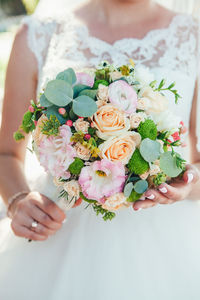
{"type": "Point", "coordinates": [11, 12]}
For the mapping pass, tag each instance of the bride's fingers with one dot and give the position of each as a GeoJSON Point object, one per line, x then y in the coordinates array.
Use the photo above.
{"type": "Point", "coordinates": [22, 231]}
{"type": "Point", "coordinates": [38, 215]}
{"type": "Point", "coordinates": [142, 204]}
{"type": "Point", "coordinates": [27, 221]}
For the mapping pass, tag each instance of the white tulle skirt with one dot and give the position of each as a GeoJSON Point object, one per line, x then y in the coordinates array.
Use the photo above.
{"type": "Point", "coordinates": [152, 254]}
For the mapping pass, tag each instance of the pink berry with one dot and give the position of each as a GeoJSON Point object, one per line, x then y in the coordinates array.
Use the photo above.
{"type": "Point", "coordinates": [35, 122]}
{"type": "Point", "coordinates": [62, 111]}
{"type": "Point", "coordinates": [31, 109]}
{"type": "Point", "coordinates": [80, 117]}
{"type": "Point", "coordinates": [69, 123]}
{"type": "Point", "coordinates": [87, 136]}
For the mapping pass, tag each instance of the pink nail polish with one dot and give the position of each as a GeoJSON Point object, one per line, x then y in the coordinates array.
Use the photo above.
{"type": "Point", "coordinates": [190, 177]}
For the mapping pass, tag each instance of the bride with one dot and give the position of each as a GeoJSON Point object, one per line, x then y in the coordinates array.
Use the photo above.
{"type": "Point", "coordinates": [149, 252]}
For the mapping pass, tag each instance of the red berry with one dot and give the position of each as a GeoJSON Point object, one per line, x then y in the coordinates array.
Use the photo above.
{"type": "Point", "coordinates": [87, 136]}
{"type": "Point", "coordinates": [31, 109]}
{"type": "Point", "coordinates": [62, 111]}
{"type": "Point", "coordinates": [35, 122]}
{"type": "Point", "coordinates": [69, 123]}
{"type": "Point", "coordinates": [176, 136]}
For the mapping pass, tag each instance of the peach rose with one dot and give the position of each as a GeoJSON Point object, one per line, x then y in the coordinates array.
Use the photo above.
{"type": "Point", "coordinates": [81, 125]}
{"type": "Point", "coordinates": [82, 152]}
{"type": "Point", "coordinates": [114, 202]}
{"type": "Point", "coordinates": [110, 121]}
{"type": "Point", "coordinates": [120, 148]}
{"type": "Point", "coordinates": [158, 102]}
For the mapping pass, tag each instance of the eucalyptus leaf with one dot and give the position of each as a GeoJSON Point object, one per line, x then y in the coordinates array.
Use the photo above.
{"type": "Point", "coordinates": [150, 150]}
{"type": "Point", "coordinates": [53, 111]}
{"type": "Point", "coordinates": [84, 106]}
{"type": "Point", "coordinates": [128, 189]}
{"type": "Point", "coordinates": [68, 76]}
{"type": "Point", "coordinates": [141, 186]}
{"type": "Point", "coordinates": [59, 92]}
{"type": "Point", "coordinates": [168, 165]}
{"type": "Point", "coordinates": [44, 101]}
{"type": "Point", "coordinates": [88, 92]}
{"type": "Point", "coordinates": [79, 88]}
{"type": "Point", "coordinates": [72, 115]}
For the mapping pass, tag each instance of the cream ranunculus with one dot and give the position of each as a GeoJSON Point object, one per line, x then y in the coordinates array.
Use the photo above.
{"type": "Point", "coordinates": [136, 119]}
{"type": "Point", "coordinates": [120, 148]}
{"type": "Point", "coordinates": [72, 188]}
{"type": "Point", "coordinates": [102, 93]}
{"type": "Point", "coordinates": [82, 152]}
{"type": "Point", "coordinates": [81, 125]}
{"type": "Point", "coordinates": [110, 121]}
{"type": "Point", "coordinates": [114, 202]}
{"type": "Point", "coordinates": [158, 102]}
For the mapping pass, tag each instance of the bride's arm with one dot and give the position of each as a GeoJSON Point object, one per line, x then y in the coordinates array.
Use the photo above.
{"type": "Point", "coordinates": [189, 187]}
{"type": "Point", "coordinates": [20, 87]}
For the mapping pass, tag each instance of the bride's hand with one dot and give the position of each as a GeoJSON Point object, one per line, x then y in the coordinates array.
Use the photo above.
{"type": "Point", "coordinates": [168, 194]}
{"type": "Point", "coordinates": [36, 207]}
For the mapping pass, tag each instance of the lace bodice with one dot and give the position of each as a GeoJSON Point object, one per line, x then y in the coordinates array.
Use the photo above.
{"type": "Point", "coordinates": [170, 52]}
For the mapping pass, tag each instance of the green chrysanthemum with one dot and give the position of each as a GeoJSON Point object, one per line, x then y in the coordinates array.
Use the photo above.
{"type": "Point", "coordinates": [137, 164]}
{"type": "Point", "coordinates": [18, 136]}
{"type": "Point", "coordinates": [76, 166]}
{"type": "Point", "coordinates": [98, 82]}
{"type": "Point", "coordinates": [159, 179]}
{"type": "Point", "coordinates": [148, 129]}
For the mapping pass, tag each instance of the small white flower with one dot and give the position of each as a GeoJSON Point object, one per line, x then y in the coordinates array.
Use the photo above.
{"type": "Point", "coordinates": [143, 75]}
{"type": "Point", "coordinates": [136, 119]}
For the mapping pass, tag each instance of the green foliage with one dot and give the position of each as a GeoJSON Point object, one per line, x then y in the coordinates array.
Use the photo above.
{"type": "Point", "coordinates": [79, 88]}
{"type": "Point", "coordinates": [107, 215]}
{"type": "Point", "coordinates": [150, 150]}
{"type": "Point", "coordinates": [44, 101]}
{"type": "Point", "coordinates": [18, 136]}
{"type": "Point", "coordinates": [168, 164]}
{"type": "Point", "coordinates": [68, 75]}
{"type": "Point", "coordinates": [76, 167]}
{"type": "Point", "coordinates": [59, 92]}
{"type": "Point", "coordinates": [161, 87]}
{"type": "Point", "coordinates": [86, 199]}
{"type": "Point", "coordinates": [159, 179]}
{"type": "Point", "coordinates": [27, 123]}
{"type": "Point", "coordinates": [88, 92]}
{"type": "Point", "coordinates": [98, 82]}
{"type": "Point", "coordinates": [84, 106]}
{"type": "Point", "coordinates": [134, 196]}
{"type": "Point", "coordinates": [148, 129]}
{"type": "Point", "coordinates": [141, 186]}
{"type": "Point", "coordinates": [137, 164]}
{"type": "Point", "coordinates": [51, 126]}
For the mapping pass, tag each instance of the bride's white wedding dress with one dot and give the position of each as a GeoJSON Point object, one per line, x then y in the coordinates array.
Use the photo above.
{"type": "Point", "coordinates": [152, 254]}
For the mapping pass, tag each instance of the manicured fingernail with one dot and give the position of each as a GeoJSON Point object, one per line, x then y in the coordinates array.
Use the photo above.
{"type": "Point", "coordinates": [137, 208]}
{"type": "Point", "coordinates": [163, 190]}
{"type": "Point", "coordinates": [64, 221]}
{"type": "Point", "coordinates": [190, 177]}
{"type": "Point", "coordinates": [151, 197]}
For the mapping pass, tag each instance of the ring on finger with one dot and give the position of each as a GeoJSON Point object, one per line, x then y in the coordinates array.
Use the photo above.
{"type": "Point", "coordinates": [34, 224]}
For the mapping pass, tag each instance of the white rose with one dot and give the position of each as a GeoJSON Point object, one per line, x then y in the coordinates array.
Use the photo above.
{"type": "Point", "coordinates": [81, 125]}
{"type": "Point", "coordinates": [136, 119]}
{"type": "Point", "coordinates": [143, 103]}
{"type": "Point", "coordinates": [72, 188]}
{"type": "Point", "coordinates": [82, 152]}
{"type": "Point", "coordinates": [102, 93]}
{"type": "Point", "coordinates": [144, 76]}
{"type": "Point", "coordinates": [158, 102]}
{"type": "Point", "coordinates": [166, 121]}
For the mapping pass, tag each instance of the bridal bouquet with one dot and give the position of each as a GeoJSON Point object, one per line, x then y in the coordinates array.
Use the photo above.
{"type": "Point", "coordinates": [105, 135]}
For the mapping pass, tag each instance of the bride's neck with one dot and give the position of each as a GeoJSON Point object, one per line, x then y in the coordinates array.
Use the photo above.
{"type": "Point", "coordinates": [124, 11]}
